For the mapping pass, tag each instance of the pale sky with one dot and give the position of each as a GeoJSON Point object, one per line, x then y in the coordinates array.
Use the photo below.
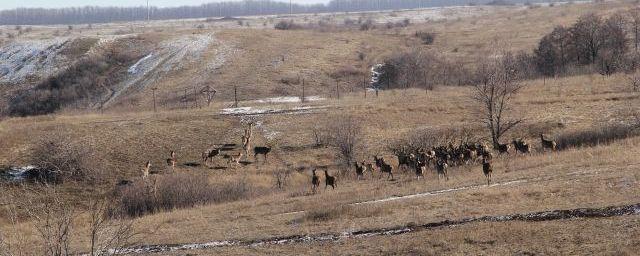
{"type": "Point", "coordinates": [10, 4]}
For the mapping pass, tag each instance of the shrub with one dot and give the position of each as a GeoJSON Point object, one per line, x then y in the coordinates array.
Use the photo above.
{"type": "Point", "coordinates": [168, 192]}
{"type": "Point", "coordinates": [367, 25]}
{"type": "Point", "coordinates": [345, 71]}
{"type": "Point", "coordinates": [345, 134]}
{"type": "Point", "coordinates": [287, 25]}
{"type": "Point", "coordinates": [59, 159]}
{"type": "Point", "coordinates": [603, 134]}
{"type": "Point", "coordinates": [427, 37]}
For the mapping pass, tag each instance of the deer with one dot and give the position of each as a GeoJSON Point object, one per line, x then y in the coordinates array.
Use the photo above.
{"type": "Point", "coordinates": [502, 148]}
{"type": "Point", "coordinates": [368, 167]}
{"type": "Point", "coordinates": [261, 151]}
{"type": "Point", "coordinates": [315, 181]}
{"type": "Point", "coordinates": [441, 168]}
{"type": "Point", "coordinates": [386, 168]}
{"type": "Point", "coordinates": [329, 180]}
{"type": "Point", "coordinates": [522, 146]}
{"type": "Point", "coordinates": [235, 158]}
{"type": "Point", "coordinates": [171, 161]}
{"type": "Point", "coordinates": [209, 154]}
{"type": "Point", "coordinates": [420, 166]}
{"type": "Point", "coordinates": [487, 169]}
{"type": "Point", "coordinates": [360, 168]}
{"type": "Point", "coordinates": [548, 144]}
{"type": "Point", "coordinates": [145, 170]}
{"type": "Point", "coordinates": [246, 139]}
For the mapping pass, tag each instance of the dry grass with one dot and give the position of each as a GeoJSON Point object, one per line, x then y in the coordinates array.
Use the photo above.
{"type": "Point", "coordinates": [577, 177]}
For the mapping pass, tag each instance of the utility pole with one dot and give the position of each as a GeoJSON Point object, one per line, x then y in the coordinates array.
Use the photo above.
{"type": "Point", "coordinates": [154, 98]}
{"type": "Point", "coordinates": [148, 12]}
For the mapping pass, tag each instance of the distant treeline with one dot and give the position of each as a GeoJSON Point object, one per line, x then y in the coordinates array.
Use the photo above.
{"type": "Point", "coordinates": [92, 14]}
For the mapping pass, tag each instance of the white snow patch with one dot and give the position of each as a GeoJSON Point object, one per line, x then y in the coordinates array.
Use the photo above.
{"type": "Point", "coordinates": [20, 60]}
{"type": "Point", "coordinates": [134, 69]}
{"type": "Point", "coordinates": [289, 99]}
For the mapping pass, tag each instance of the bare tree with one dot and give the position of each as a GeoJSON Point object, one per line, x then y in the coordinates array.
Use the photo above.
{"type": "Point", "coordinates": [344, 133]}
{"type": "Point", "coordinates": [52, 217]}
{"type": "Point", "coordinates": [110, 232]}
{"type": "Point", "coordinates": [497, 83]}
{"type": "Point", "coordinates": [634, 81]}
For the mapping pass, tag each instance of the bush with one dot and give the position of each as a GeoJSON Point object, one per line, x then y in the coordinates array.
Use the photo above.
{"type": "Point", "coordinates": [59, 159]}
{"type": "Point", "coordinates": [427, 37]}
{"type": "Point", "coordinates": [86, 79]}
{"type": "Point", "coordinates": [287, 25]}
{"type": "Point", "coordinates": [345, 71]}
{"type": "Point", "coordinates": [604, 134]}
{"type": "Point", "coordinates": [169, 192]}
{"type": "Point", "coordinates": [345, 134]}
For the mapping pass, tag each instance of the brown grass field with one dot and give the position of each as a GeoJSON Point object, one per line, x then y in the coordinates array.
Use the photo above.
{"type": "Point", "coordinates": [127, 135]}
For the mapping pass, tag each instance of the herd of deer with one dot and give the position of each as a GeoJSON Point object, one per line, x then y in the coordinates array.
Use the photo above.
{"type": "Point", "coordinates": [439, 157]}
{"type": "Point", "coordinates": [442, 157]}
{"type": "Point", "coordinates": [209, 154]}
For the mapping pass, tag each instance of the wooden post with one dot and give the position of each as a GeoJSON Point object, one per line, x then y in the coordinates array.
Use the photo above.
{"type": "Point", "coordinates": [235, 96]}
{"type": "Point", "coordinates": [338, 89]}
{"type": "Point", "coordinates": [364, 85]}
{"type": "Point", "coordinates": [426, 87]}
{"type": "Point", "coordinates": [195, 96]}
{"type": "Point", "coordinates": [303, 96]}
{"type": "Point", "coordinates": [185, 98]}
{"type": "Point", "coordinates": [154, 98]}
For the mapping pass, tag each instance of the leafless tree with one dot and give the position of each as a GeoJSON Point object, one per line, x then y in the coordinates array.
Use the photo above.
{"type": "Point", "coordinates": [110, 232]}
{"type": "Point", "coordinates": [52, 218]}
{"type": "Point", "coordinates": [634, 81]}
{"type": "Point", "coordinates": [344, 133]}
{"type": "Point", "coordinates": [496, 85]}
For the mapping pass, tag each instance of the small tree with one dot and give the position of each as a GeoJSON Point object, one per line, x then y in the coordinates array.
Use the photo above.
{"type": "Point", "coordinates": [345, 134]}
{"type": "Point", "coordinates": [496, 84]}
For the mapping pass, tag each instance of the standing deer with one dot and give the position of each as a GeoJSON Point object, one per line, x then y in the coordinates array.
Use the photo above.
{"type": "Point", "coordinates": [209, 154]}
{"type": "Point", "coordinates": [360, 168]}
{"type": "Point", "coordinates": [548, 144]}
{"type": "Point", "coordinates": [145, 170]}
{"type": "Point", "coordinates": [261, 151]}
{"type": "Point", "coordinates": [315, 182]}
{"type": "Point", "coordinates": [329, 180]}
{"type": "Point", "coordinates": [234, 159]}
{"type": "Point", "coordinates": [441, 168]}
{"type": "Point", "coordinates": [246, 139]}
{"type": "Point", "coordinates": [421, 166]}
{"type": "Point", "coordinates": [487, 169]}
{"type": "Point", "coordinates": [171, 161]}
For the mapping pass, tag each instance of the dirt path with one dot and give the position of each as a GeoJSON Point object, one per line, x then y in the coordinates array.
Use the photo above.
{"type": "Point", "coordinates": [610, 211]}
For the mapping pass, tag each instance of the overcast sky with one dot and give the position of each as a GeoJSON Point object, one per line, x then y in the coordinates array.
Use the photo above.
{"type": "Point", "coordinates": [10, 4]}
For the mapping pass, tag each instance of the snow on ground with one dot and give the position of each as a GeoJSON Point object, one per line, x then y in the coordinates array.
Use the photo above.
{"type": "Point", "coordinates": [21, 59]}
{"type": "Point", "coordinates": [289, 99]}
{"type": "Point", "coordinates": [18, 173]}
{"type": "Point", "coordinates": [248, 111]}
{"type": "Point", "coordinates": [171, 55]}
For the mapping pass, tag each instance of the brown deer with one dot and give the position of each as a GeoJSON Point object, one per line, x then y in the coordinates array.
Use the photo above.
{"type": "Point", "coordinates": [487, 169]}
{"type": "Point", "coordinates": [441, 168]}
{"type": "Point", "coordinates": [329, 180]}
{"type": "Point", "coordinates": [315, 182]}
{"type": "Point", "coordinates": [548, 144]}
{"type": "Point", "coordinates": [522, 146]}
{"type": "Point", "coordinates": [209, 154]}
{"type": "Point", "coordinates": [171, 161]}
{"type": "Point", "coordinates": [235, 158]}
{"type": "Point", "coordinates": [246, 139]}
{"type": "Point", "coordinates": [360, 168]}
{"type": "Point", "coordinates": [261, 151]}
{"type": "Point", "coordinates": [421, 166]}
{"type": "Point", "coordinates": [145, 170]}
{"type": "Point", "coordinates": [502, 148]}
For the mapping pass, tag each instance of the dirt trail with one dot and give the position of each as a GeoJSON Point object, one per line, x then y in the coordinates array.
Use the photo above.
{"type": "Point", "coordinates": [610, 211]}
